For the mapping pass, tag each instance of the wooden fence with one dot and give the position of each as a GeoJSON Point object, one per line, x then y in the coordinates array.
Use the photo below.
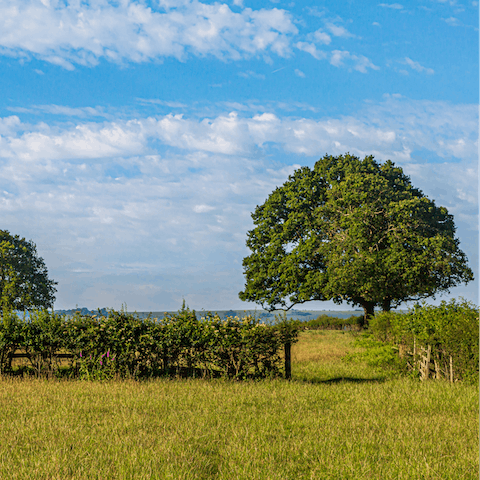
{"type": "Point", "coordinates": [430, 363]}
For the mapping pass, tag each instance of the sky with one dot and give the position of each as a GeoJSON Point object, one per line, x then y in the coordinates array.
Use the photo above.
{"type": "Point", "coordinates": [136, 137]}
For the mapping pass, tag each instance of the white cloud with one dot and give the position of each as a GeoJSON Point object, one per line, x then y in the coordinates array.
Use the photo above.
{"type": "Point", "coordinates": [322, 37]}
{"type": "Point", "coordinates": [396, 125]}
{"type": "Point", "coordinates": [338, 57]}
{"type": "Point", "coordinates": [172, 190]}
{"type": "Point", "coordinates": [337, 30]}
{"type": "Point", "coordinates": [83, 32]}
{"type": "Point", "coordinates": [202, 208]}
{"type": "Point", "coordinates": [395, 6]}
{"type": "Point", "coordinates": [311, 49]}
{"type": "Point", "coordinates": [252, 74]}
{"type": "Point", "coordinates": [360, 62]}
{"type": "Point", "coordinates": [452, 21]}
{"type": "Point", "coordinates": [417, 67]}
{"type": "Point", "coordinates": [156, 101]}
{"type": "Point", "coordinates": [299, 73]}
{"type": "Point", "coordinates": [69, 33]}
{"type": "Point", "coordinates": [61, 110]}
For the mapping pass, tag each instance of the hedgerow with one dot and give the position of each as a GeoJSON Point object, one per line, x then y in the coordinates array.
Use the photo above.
{"type": "Point", "coordinates": [122, 345]}
{"type": "Point", "coordinates": [437, 341]}
{"type": "Point", "coordinates": [328, 322]}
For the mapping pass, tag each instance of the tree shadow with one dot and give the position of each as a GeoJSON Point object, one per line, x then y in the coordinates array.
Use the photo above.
{"type": "Point", "coordinates": [336, 380]}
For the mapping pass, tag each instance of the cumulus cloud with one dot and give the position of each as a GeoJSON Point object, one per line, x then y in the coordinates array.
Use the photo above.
{"type": "Point", "coordinates": [360, 63]}
{"type": "Point", "coordinates": [173, 190]}
{"type": "Point", "coordinates": [453, 21]}
{"type": "Point", "coordinates": [322, 37]}
{"type": "Point", "coordinates": [338, 30]}
{"type": "Point", "coordinates": [396, 125]}
{"type": "Point", "coordinates": [68, 33]}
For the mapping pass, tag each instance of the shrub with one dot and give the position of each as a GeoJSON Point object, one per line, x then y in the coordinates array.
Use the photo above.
{"type": "Point", "coordinates": [123, 345]}
{"type": "Point", "coordinates": [327, 322]}
{"type": "Point", "coordinates": [450, 331]}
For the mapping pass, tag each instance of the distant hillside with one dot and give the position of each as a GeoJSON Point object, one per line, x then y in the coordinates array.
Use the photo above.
{"type": "Point", "coordinates": [303, 315]}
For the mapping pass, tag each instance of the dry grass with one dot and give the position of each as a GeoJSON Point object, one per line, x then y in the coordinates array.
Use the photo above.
{"type": "Point", "coordinates": [344, 422]}
{"type": "Point", "coordinates": [317, 346]}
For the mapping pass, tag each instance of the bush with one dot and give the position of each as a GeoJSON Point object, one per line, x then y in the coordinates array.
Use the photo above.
{"type": "Point", "coordinates": [120, 344]}
{"type": "Point", "coordinates": [450, 331]}
{"type": "Point", "coordinates": [327, 322]}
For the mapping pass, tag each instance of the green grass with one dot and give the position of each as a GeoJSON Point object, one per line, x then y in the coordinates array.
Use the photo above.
{"type": "Point", "coordinates": [334, 420]}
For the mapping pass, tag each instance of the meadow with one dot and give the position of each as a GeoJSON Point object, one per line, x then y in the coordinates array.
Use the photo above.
{"type": "Point", "coordinates": [335, 419]}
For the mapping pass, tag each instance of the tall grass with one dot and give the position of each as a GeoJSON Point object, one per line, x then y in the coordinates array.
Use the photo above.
{"type": "Point", "coordinates": [334, 420]}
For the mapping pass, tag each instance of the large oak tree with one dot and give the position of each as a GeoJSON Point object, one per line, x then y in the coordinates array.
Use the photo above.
{"type": "Point", "coordinates": [24, 282]}
{"type": "Point", "coordinates": [351, 230]}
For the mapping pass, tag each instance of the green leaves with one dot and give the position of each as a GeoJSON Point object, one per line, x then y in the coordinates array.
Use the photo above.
{"type": "Point", "coordinates": [123, 345]}
{"type": "Point", "coordinates": [450, 329]}
{"type": "Point", "coordinates": [350, 230]}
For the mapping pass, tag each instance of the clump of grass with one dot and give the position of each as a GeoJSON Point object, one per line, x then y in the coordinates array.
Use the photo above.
{"type": "Point", "coordinates": [334, 420]}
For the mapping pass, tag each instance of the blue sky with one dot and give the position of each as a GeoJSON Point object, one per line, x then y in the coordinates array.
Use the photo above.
{"type": "Point", "coordinates": [137, 137]}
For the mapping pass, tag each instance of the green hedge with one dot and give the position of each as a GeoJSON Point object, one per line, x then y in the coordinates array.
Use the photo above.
{"type": "Point", "coordinates": [328, 322]}
{"type": "Point", "coordinates": [122, 345]}
{"type": "Point", "coordinates": [451, 330]}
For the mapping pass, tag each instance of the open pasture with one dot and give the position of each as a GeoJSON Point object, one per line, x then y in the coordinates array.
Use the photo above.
{"type": "Point", "coordinates": [334, 420]}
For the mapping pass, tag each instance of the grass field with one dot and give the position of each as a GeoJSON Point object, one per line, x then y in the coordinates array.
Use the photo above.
{"type": "Point", "coordinates": [334, 420]}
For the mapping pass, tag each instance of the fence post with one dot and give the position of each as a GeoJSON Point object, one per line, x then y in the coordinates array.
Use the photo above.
{"type": "Point", "coordinates": [288, 360]}
{"type": "Point", "coordinates": [426, 363]}
{"type": "Point", "coordinates": [451, 369]}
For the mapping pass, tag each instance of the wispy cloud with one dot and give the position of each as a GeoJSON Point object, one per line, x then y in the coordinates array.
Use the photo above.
{"type": "Point", "coordinates": [311, 48]}
{"type": "Point", "coordinates": [252, 74]}
{"type": "Point", "coordinates": [62, 110]}
{"type": "Point", "coordinates": [418, 67]}
{"type": "Point", "coordinates": [394, 6]}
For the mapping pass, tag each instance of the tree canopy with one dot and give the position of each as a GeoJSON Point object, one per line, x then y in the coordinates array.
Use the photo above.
{"type": "Point", "coordinates": [24, 282]}
{"type": "Point", "coordinates": [351, 230]}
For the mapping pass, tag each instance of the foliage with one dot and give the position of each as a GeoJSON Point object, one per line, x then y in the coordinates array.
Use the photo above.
{"type": "Point", "coordinates": [24, 282]}
{"type": "Point", "coordinates": [376, 354]}
{"type": "Point", "coordinates": [121, 344]}
{"type": "Point", "coordinates": [327, 322]}
{"type": "Point", "coordinates": [350, 230]}
{"type": "Point", "coordinates": [450, 329]}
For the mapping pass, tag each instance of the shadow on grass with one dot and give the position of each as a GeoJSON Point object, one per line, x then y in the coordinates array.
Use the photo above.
{"type": "Point", "coordinates": [336, 380]}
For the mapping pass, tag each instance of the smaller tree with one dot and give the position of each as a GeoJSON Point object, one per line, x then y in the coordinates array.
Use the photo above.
{"type": "Point", "coordinates": [24, 282]}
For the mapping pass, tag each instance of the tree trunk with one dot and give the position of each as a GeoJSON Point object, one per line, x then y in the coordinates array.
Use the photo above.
{"type": "Point", "coordinates": [386, 305]}
{"type": "Point", "coordinates": [368, 311]}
